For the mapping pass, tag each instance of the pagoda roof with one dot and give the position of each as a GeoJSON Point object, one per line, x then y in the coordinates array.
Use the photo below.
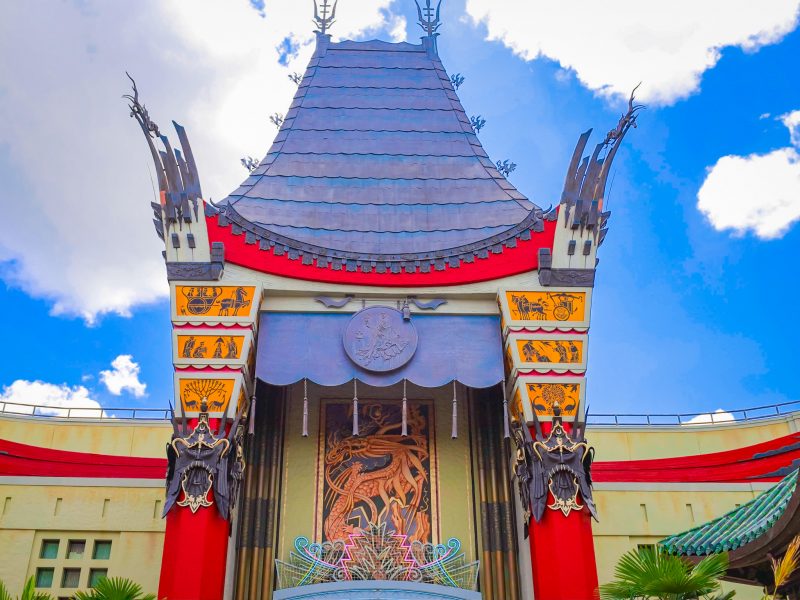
{"type": "Point", "coordinates": [377, 161]}
{"type": "Point", "coordinates": [759, 523]}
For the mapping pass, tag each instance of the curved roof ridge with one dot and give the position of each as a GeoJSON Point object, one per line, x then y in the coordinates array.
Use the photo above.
{"type": "Point", "coordinates": [382, 159]}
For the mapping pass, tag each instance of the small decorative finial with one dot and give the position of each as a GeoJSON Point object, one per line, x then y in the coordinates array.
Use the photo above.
{"type": "Point", "coordinates": [277, 120]}
{"type": "Point", "coordinates": [506, 167]}
{"type": "Point", "coordinates": [249, 163]}
{"type": "Point", "coordinates": [324, 15]}
{"type": "Point", "coordinates": [139, 111]}
{"type": "Point", "coordinates": [296, 78]}
{"type": "Point", "coordinates": [626, 121]}
{"type": "Point", "coordinates": [477, 123]}
{"type": "Point", "coordinates": [429, 17]}
{"type": "Point", "coordinates": [456, 79]}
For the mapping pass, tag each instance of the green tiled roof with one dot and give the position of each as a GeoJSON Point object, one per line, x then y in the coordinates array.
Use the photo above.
{"type": "Point", "coordinates": [738, 527]}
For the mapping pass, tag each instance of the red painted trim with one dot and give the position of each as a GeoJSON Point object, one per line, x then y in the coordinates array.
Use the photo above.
{"type": "Point", "coordinates": [33, 461]}
{"type": "Point", "coordinates": [731, 466]}
{"type": "Point", "coordinates": [511, 261]}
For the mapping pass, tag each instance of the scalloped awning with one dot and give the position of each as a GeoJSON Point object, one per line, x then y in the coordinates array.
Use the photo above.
{"type": "Point", "coordinates": [296, 346]}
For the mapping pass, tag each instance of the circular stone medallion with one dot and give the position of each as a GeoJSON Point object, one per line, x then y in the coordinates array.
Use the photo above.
{"type": "Point", "coordinates": [378, 339]}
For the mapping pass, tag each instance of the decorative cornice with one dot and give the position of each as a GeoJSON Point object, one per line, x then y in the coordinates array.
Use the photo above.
{"type": "Point", "coordinates": [338, 260]}
{"type": "Point", "coordinates": [199, 271]}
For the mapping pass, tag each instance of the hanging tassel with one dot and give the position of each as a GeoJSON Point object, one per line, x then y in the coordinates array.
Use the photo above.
{"type": "Point", "coordinates": [355, 407]}
{"type": "Point", "coordinates": [506, 429]}
{"type": "Point", "coordinates": [454, 430]}
{"type": "Point", "coordinates": [305, 407]}
{"type": "Point", "coordinates": [404, 428]}
{"type": "Point", "coordinates": [251, 418]}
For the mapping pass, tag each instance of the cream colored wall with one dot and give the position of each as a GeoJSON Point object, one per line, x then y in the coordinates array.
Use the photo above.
{"type": "Point", "coordinates": [126, 511]}
{"type": "Point", "coordinates": [642, 513]}
{"type": "Point", "coordinates": [119, 437]}
{"type": "Point", "coordinates": [638, 443]}
{"type": "Point", "coordinates": [35, 509]}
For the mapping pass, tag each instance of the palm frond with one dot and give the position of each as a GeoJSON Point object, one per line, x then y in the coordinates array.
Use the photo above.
{"type": "Point", "coordinates": [650, 573]}
{"type": "Point", "coordinates": [115, 588]}
{"type": "Point", "coordinates": [783, 568]}
{"type": "Point", "coordinates": [4, 593]}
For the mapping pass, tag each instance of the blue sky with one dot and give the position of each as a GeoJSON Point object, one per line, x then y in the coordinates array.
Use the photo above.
{"type": "Point", "coordinates": [688, 315]}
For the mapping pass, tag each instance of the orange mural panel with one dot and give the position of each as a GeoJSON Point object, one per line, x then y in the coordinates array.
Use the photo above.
{"type": "Point", "coordinates": [214, 301]}
{"type": "Point", "coordinates": [210, 346]}
{"type": "Point", "coordinates": [217, 392]}
{"type": "Point", "coordinates": [551, 351]}
{"type": "Point", "coordinates": [543, 397]}
{"type": "Point", "coordinates": [547, 306]}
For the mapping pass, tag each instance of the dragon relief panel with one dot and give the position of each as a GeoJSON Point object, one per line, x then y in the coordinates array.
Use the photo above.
{"type": "Point", "coordinates": [379, 478]}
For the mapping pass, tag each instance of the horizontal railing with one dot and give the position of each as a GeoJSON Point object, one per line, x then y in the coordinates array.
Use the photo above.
{"type": "Point", "coordinates": [39, 410]}
{"type": "Point", "coordinates": [729, 417]}
{"type": "Point", "coordinates": [733, 416]}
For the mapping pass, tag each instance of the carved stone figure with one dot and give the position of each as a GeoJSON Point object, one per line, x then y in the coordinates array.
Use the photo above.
{"type": "Point", "coordinates": [559, 463]}
{"type": "Point", "coordinates": [201, 462]}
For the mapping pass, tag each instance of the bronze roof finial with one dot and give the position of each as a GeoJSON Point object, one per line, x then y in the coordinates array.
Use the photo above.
{"type": "Point", "coordinates": [429, 17]}
{"type": "Point", "coordinates": [324, 15]}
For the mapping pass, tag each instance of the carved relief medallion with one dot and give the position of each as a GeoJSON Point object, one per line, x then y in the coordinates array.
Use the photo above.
{"type": "Point", "coordinates": [379, 339]}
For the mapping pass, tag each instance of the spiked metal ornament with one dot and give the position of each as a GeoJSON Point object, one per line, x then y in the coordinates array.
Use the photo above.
{"type": "Point", "coordinates": [324, 15]}
{"type": "Point", "coordinates": [429, 17]}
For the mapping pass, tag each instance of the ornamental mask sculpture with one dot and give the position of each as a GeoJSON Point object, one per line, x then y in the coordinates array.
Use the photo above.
{"type": "Point", "coordinates": [202, 461]}
{"type": "Point", "coordinates": [559, 463]}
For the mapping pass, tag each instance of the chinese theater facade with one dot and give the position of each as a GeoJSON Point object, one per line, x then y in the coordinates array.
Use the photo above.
{"type": "Point", "coordinates": [380, 350]}
{"type": "Point", "coordinates": [380, 357]}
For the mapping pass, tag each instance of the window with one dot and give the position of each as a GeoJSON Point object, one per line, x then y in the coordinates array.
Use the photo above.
{"type": "Point", "coordinates": [102, 550]}
{"type": "Point", "coordinates": [71, 578]}
{"type": "Point", "coordinates": [44, 577]}
{"type": "Point", "coordinates": [49, 549]}
{"type": "Point", "coordinates": [76, 548]}
{"type": "Point", "coordinates": [96, 575]}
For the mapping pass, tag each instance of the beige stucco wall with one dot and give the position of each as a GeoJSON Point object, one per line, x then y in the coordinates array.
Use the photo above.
{"type": "Point", "coordinates": [125, 512]}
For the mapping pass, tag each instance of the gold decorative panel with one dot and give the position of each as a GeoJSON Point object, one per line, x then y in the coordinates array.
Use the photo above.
{"type": "Point", "coordinates": [547, 306]}
{"type": "Point", "coordinates": [543, 397]}
{"type": "Point", "coordinates": [564, 351]}
{"type": "Point", "coordinates": [214, 301]}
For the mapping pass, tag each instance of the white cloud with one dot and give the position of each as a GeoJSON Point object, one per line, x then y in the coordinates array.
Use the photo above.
{"type": "Point", "coordinates": [719, 416]}
{"type": "Point", "coordinates": [613, 45]}
{"type": "Point", "coordinates": [76, 224]}
{"type": "Point", "coordinates": [123, 376]}
{"type": "Point", "coordinates": [759, 193]}
{"type": "Point", "coordinates": [21, 396]}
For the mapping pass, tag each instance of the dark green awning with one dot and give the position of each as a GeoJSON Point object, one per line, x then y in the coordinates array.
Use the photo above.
{"type": "Point", "coordinates": [738, 527]}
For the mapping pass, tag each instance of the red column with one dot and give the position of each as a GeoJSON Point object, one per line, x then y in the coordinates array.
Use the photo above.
{"type": "Point", "coordinates": [562, 552]}
{"type": "Point", "coordinates": [195, 550]}
{"type": "Point", "coordinates": [562, 556]}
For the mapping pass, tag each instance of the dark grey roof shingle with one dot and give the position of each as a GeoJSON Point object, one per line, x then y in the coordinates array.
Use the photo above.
{"type": "Point", "coordinates": [375, 157]}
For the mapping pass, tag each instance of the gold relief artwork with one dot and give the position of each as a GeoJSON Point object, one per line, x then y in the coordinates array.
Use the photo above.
{"type": "Point", "coordinates": [550, 351]}
{"type": "Point", "coordinates": [217, 392]}
{"type": "Point", "coordinates": [547, 306]}
{"type": "Point", "coordinates": [210, 346]}
{"type": "Point", "coordinates": [213, 301]}
{"type": "Point", "coordinates": [378, 477]}
{"type": "Point", "coordinates": [543, 397]}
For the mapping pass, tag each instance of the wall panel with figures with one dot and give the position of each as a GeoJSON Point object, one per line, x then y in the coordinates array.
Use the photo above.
{"type": "Point", "coordinates": [545, 333]}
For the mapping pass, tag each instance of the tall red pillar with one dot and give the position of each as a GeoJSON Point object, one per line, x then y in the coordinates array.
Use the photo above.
{"type": "Point", "coordinates": [562, 556]}
{"type": "Point", "coordinates": [195, 551]}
